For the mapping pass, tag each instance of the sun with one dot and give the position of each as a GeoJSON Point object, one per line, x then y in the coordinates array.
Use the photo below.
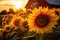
{"type": "Point", "coordinates": [20, 3]}
{"type": "Point", "coordinates": [42, 20]}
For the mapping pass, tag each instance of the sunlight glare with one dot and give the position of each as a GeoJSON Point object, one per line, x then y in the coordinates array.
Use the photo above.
{"type": "Point", "coordinates": [20, 3]}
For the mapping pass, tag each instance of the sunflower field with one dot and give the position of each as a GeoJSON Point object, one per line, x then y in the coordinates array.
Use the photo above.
{"type": "Point", "coordinates": [30, 24]}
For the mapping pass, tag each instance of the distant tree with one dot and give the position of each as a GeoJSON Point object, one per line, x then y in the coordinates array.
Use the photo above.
{"type": "Point", "coordinates": [3, 12]}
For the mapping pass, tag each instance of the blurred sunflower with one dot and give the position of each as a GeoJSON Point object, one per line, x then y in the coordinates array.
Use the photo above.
{"type": "Point", "coordinates": [21, 14]}
{"type": "Point", "coordinates": [16, 22]}
{"type": "Point", "coordinates": [42, 20]}
{"type": "Point", "coordinates": [57, 12]}
{"type": "Point", "coordinates": [7, 28]}
{"type": "Point", "coordinates": [6, 19]}
{"type": "Point", "coordinates": [1, 32]}
{"type": "Point", "coordinates": [21, 10]}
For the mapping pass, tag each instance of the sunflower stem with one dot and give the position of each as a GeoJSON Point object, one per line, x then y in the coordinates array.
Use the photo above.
{"type": "Point", "coordinates": [41, 37]}
{"type": "Point", "coordinates": [28, 36]}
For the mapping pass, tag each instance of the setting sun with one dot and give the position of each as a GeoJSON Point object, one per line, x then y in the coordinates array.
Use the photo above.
{"type": "Point", "coordinates": [18, 5]}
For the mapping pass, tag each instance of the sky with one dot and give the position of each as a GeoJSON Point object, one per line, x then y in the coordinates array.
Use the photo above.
{"type": "Point", "coordinates": [14, 4]}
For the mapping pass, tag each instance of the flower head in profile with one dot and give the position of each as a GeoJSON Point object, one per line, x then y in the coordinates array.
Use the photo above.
{"type": "Point", "coordinates": [42, 20]}
{"type": "Point", "coordinates": [57, 11]}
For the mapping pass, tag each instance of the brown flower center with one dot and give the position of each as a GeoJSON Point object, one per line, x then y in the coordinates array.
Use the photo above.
{"type": "Point", "coordinates": [7, 28]}
{"type": "Point", "coordinates": [17, 22]}
{"type": "Point", "coordinates": [42, 20]}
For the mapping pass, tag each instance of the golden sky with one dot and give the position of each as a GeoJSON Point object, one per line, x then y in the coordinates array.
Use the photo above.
{"type": "Point", "coordinates": [6, 4]}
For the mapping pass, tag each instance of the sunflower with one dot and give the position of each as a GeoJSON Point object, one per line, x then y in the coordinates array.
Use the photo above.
{"type": "Point", "coordinates": [42, 20]}
{"type": "Point", "coordinates": [1, 32]}
{"type": "Point", "coordinates": [6, 19]}
{"type": "Point", "coordinates": [7, 28]}
{"type": "Point", "coordinates": [16, 22]}
{"type": "Point", "coordinates": [57, 11]}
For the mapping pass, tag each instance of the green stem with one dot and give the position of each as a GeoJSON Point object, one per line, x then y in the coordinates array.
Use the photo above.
{"type": "Point", "coordinates": [28, 36]}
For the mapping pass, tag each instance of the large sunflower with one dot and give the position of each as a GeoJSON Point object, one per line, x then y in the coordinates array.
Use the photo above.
{"type": "Point", "coordinates": [42, 20]}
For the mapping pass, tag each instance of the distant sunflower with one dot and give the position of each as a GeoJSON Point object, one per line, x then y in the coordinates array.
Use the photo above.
{"type": "Point", "coordinates": [42, 20]}
{"type": "Point", "coordinates": [57, 11]}
{"type": "Point", "coordinates": [1, 32]}
{"type": "Point", "coordinates": [16, 21]}
{"type": "Point", "coordinates": [6, 19]}
{"type": "Point", "coordinates": [7, 28]}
